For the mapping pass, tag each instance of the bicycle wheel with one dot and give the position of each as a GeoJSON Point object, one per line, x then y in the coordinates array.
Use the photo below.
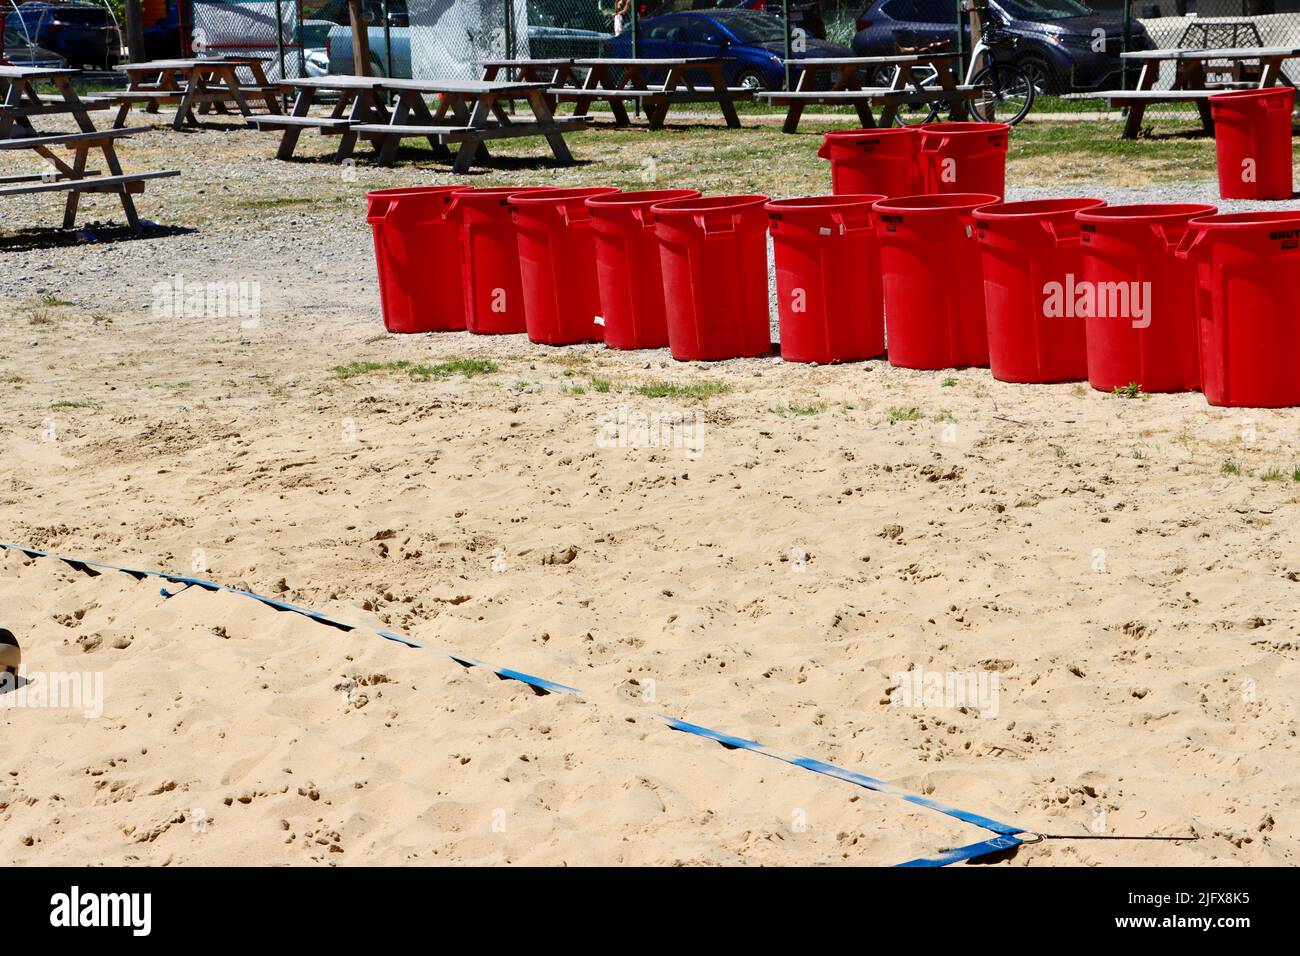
{"type": "Point", "coordinates": [1008, 94]}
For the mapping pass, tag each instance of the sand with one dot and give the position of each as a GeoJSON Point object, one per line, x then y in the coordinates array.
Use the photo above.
{"type": "Point", "coordinates": [839, 526]}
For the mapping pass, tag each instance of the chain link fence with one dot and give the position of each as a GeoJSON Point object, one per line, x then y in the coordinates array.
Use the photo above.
{"type": "Point", "coordinates": [1074, 46]}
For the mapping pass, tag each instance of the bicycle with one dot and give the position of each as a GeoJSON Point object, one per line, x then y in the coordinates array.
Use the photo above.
{"type": "Point", "coordinates": [1007, 90]}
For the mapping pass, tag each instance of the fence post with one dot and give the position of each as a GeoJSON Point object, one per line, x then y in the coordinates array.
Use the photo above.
{"type": "Point", "coordinates": [636, 31]}
{"type": "Point", "coordinates": [1128, 26]}
{"type": "Point", "coordinates": [279, 35]}
{"type": "Point", "coordinates": [509, 26]}
{"type": "Point", "coordinates": [388, 43]}
{"type": "Point", "coordinates": [785, 15]}
{"type": "Point", "coordinates": [961, 37]}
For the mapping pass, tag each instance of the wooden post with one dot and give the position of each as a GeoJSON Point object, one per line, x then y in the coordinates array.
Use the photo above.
{"type": "Point", "coordinates": [134, 30]}
{"type": "Point", "coordinates": [360, 39]}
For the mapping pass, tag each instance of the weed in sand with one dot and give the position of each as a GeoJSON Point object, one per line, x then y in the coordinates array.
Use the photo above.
{"type": "Point", "coordinates": [1272, 474]}
{"type": "Point", "coordinates": [1230, 467]}
{"type": "Point", "coordinates": [699, 390]}
{"type": "Point", "coordinates": [948, 382]}
{"type": "Point", "coordinates": [601, 385]}
{"type": "Point", "coordinates": [897, 414]}
{"type": "Point", "coordinates": [812, 408]}
{"type": "Point", "coordinates": [464, 367]}
{"type": "Point", "coordinates": [1131, 390]}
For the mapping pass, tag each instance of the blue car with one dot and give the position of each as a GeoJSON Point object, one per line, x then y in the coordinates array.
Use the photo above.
{"type": "Point", "coordinates": [752, 43]}
{"type": "Point", "coordinates": [84, 34]}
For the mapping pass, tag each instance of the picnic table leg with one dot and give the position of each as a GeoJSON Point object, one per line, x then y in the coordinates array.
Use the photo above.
{"type": "Point", "coordinates": [268, 96]}
{"type": "Point", "coordinates": [301, 105]}
{"type": "Point", "coordinates": [422, 116]}
{"type": "Point", "coordinates": [1133, 123]}
{"type": "Point", "coordinates": [365, 107]}
{"type": "Point", "coordinates": [74, 197]}
{"type": "Point", "coordinates": [185, 112]}
{"type": "Point", "coordinates": [386, 151]}
{"type": "Point", "coordinates": [78, 109]}
{"type": "Point", "coordinates": [724, 95]}
{"type": "Point", "coordinates": [115, 169]}
{"type": "Point", "coordinates": [226, 76]}
{"type": "Point", "coordinates": [473, 142]}
{"type": "Point", "coordinates": [542, 113]}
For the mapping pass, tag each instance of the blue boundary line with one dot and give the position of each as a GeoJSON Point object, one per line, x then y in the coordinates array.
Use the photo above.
{"type": "Point", "coordinates": [1006, 838]}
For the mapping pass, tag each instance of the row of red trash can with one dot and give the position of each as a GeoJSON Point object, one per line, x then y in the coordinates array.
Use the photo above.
{"type": "Point", "coordinates": [916, 160]}
{"type": "Point", "coordinates": [1171, 297]}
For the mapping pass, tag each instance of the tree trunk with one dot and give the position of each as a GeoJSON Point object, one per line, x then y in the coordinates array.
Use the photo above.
{"type": "Point", "coordinates": [134, 30]}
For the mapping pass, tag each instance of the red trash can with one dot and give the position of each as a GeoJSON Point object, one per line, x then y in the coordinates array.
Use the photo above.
{"type": "Point", "coordinates": [1252, 141]}
{"type": "Point", "coordinates": [1247, 268]}
{"type": "Point", "coordinates": [828, 297]}
{"type": "Point", "coordinates": [1137, 297]}
{"type": "Point", "coordinates": [714, 257]}
{"type": "Point", "coordinates": [557, 264]}
{"type": "Point", "coordinates": [494, 296]}
{"type": "Point", "coordinates": [964, 157]}
{"type": "Point", "coordinates": [932, 280]}
{"type": "Point", "coordinates": [628, 274]}
{"type": "Point", "coordinates": [417, 252]}
{"type": "Point", "coordinates": [1031, 253]}
{"type": "Point", "coordinates": [883, 161]}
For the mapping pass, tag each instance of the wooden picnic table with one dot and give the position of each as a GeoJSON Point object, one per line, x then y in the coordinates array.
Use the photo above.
{"type": "Point", "coordinates": [1191, 79]}
{"type": "Point", "coordinates": [21, 102]}
{"type": "Point", "coordinates": [201, 83]}
{"type": "Point", "coordinates": [553, 71]}
{"type": "Point", "coordinates": [468, 112]}
{"type": "Point", "coordinates": [615, 79]}
{"type": "Point", "coordinates": [847, 86]}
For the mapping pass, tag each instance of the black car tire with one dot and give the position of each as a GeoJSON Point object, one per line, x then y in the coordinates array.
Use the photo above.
{"type": "Point", "coordinates": [1040, 71]}
{"type": "Point", "coordinates": [750, 79]}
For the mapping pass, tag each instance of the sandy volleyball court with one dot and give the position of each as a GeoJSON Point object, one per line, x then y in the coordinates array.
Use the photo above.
{"type": "Point", "coordinates": [1118, 576]}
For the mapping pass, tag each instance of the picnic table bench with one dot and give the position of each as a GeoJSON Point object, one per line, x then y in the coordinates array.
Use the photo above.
{"type": "Point", "coordinates": [615, 79]}
{"type": "Point", "coordinates": [72, 177]}
{"type": "Point", "coordinates": [846, 87]}
{"type": "Point", "coordinates": [468, 112]}
{"type": "Point", "coordinates": [202, 83]}
{"type": "Point", "coordinates": [1191, 79]}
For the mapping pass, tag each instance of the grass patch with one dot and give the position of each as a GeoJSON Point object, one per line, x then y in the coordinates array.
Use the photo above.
{"type": "Point", "coordinates": [812, 408]}
{"type": "Point", "coordinates": [1272, 474]}
{"type": "Point", "coordinates": [77, 404]}
{"type": "Point", "coordinates": [948, 382]}
{"type": "Point", "coordinates": [1060, 452]}
{"type": "Point", "coordinates": [1230, 467]}
{"type": "Point", "coordinates": [897, 414]}
{"type": "Point", "coordinates": [468, 368]}
{"type": "Point", "coordinates": [1131, 390]}
{"type": "Point", "coordinates": [601, 385]}
{"type": "Point", "coordinates": [53, 301]}
{"type": "Point", "coordinates": [700, 390]}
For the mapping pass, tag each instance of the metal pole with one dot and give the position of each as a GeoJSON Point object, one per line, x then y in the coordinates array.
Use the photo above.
{"type": "Point", "coordinates": [279, 36]}
{"type": "Point", "coordinates": [388, 43]}
{"type": "Point", "coordinates": [961, 38]}
{"type": "Point", "coordinates": [636, 34]}
{"type": "Point", "coordinates": [509, 11]}
{"type": "Point", "coordinates": [1128, 25]}
{"type": "Point", "coordinates": [785, 14]}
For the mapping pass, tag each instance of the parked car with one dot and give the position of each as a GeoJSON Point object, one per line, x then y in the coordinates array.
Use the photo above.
{"type": "Point", "coordinates": [543, 41]}
{"type": "Point", "coordinates": [17, 49]}
{"type": "Point", "coordinates": [1061, 44]}
{"type": "Point", "coordinates": [804, 14]}
{"type": "Point", "coordinates": [752, 42]}
{"type": "Point", "coordinates": [83, 34]}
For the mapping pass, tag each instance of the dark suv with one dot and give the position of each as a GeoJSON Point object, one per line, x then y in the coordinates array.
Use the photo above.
{"type": "Point", "coordinates": [1061, 44]}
